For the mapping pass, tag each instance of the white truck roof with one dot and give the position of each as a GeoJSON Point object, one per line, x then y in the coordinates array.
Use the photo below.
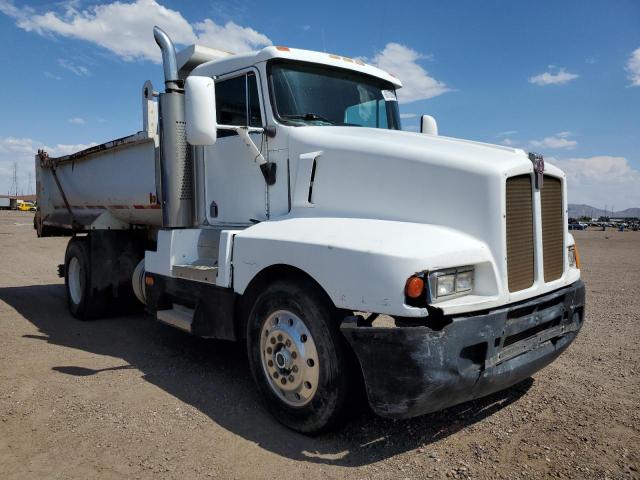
{"type": "Point", "coordinates": [203, 61]}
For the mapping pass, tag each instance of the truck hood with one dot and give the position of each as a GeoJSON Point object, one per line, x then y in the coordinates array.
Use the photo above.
{"type": "Point", "coordinates": [401, 145]}
{"type": "Point", "coordinates": [404, 176]}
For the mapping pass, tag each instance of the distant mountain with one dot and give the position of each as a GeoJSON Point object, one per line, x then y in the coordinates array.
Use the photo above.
{"type": "Point", "coordinates": [580, 210]}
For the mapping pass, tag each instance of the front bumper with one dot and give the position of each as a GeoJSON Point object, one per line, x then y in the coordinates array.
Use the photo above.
{"type": "Point", "coordinates": [410, 371]}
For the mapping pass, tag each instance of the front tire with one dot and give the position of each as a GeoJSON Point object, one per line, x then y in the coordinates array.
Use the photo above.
{"type": "Point", "coordinates": [298, 358]}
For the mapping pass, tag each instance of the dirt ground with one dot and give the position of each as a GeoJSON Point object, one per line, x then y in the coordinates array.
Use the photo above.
{"type": "Point", "coordinates": [131, 398]}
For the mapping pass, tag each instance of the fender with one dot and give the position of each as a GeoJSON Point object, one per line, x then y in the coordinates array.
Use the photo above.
{"type": "Point", "coordinates": [362, 264]}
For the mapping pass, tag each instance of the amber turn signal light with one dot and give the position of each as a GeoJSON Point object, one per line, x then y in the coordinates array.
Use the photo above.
{"type": "Point", "coordinates": [414, 287]}
{"type": "Point", "coordinates": [148, 281]}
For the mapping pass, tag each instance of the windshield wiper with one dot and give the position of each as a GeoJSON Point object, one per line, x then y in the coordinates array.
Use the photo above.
{"type": "Point", "coordinates": [308, 116]}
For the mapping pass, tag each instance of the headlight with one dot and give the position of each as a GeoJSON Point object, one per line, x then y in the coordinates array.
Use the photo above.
{"type": "Point", "coordinates": [574, 256]}
{"type": "Point", "coordinates": [450, 283]}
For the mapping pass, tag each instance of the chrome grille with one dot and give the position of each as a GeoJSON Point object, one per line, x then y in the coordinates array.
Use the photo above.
{"type": "Point", "coordinates": [552, 228]}
{"type": "Point", "coordinates": [520, 240]}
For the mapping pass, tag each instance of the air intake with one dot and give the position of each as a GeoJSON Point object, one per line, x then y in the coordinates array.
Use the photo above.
{"type": "Point", "coordinates": [552, 228]}
{"type": "Point", "coordinates": [520, 240]}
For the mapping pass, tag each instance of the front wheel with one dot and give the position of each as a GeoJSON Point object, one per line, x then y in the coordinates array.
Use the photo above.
{"type": "Point", "coordinates": [298, 358]}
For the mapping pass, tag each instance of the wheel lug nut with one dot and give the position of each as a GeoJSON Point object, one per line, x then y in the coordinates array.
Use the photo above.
{"type": "Point", "coordinates": [269, 350]}
{"type": "Point", "coordinates": [290, 378]}
{"type": "Point", "coordinates": [270, 363]}
{"type": "Point", "coordinates": [273, 341]}
{"type": "Point", "coordinates": [294, 355]}
{"type": "Point", "coordinates": [276, 374]}
{"type": "Point", "coordinates": [279, 338]}
{"type": "Point", "coordinates": [288, 343]}
{"type": "Point", "coordinates": [283, 381]}
{"type": "Point", "coordinates": [295, 369]}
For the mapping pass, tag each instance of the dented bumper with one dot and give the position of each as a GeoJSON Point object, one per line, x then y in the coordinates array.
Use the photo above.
{"type": "Point", "coordinates": [410, 371]}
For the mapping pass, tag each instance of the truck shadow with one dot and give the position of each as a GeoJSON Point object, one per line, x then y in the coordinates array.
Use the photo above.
{"type": "Point", "coordinates": [214, 377]}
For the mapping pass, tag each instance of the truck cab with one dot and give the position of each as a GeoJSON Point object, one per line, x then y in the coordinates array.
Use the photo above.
{"type": "Point", "coordinates": [281, 204]}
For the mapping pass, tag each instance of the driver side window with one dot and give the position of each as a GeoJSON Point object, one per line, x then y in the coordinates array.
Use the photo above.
{"type": "Point", "coordinates": [237, 102]}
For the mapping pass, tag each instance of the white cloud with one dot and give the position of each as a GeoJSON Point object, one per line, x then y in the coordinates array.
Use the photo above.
{"type": "Point", "coordinates": [76, 121]}
{"type": "Point", "coordinates": [601, 180]}
{"type": "Point", "coordinates": [633, 67]}
{"type": "Point", "coordinates": [555, 76]}
{"type": "Point", "coordinates": [52, 76]}
{"type": "Point", "coordinates": [73, 68]}
{"type": "Point", "coordinates": [559, 140]}
{"type": "Point", "coordinates": [505, 138]}
{"type": "Point", "coordinates": [126, 28]}
{"type": "Point", "coordinates": [22, 151]}
{"type": "Point", "coordinates": [401, 61]}
{"type": "Point", "coordinates": [230, 37]}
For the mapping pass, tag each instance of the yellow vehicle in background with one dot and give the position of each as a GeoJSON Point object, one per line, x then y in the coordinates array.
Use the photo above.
{"type": "Point", "coordinates": [26, 206]}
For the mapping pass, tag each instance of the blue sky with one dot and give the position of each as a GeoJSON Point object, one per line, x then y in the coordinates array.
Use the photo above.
{"type": "Point", "coordinates": [558, 77]}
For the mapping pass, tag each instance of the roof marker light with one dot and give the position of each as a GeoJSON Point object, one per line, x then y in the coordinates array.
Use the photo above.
{"type": "Point", "coordinates": [283, 49]}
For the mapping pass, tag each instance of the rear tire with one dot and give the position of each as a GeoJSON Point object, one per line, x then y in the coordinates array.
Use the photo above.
{"type": "Point", "coordinates": [298, 357]}
{"type": "Point", "coordinates": [83, 301]}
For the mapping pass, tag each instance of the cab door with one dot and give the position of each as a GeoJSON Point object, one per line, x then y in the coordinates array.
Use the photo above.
{"type": "Point", "coordinates": [235, 189]}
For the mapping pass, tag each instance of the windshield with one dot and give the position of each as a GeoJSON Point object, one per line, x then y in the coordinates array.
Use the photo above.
{"type": "Point", "coordinates": [306, 94]}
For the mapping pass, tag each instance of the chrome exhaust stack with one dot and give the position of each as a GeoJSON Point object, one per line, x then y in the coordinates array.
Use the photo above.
{"type": "Point", "coordinates": [176, 163]}
{"type": "Point", "coordinates": [169, 62]}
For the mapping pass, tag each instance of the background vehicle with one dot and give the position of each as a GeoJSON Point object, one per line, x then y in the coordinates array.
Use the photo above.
{"type": "Point", "coordinates": [7, 203]}
{"type": "Point", "coordinates": [25, 206]}
{"type": "Point", "coordinates": [272, 198]}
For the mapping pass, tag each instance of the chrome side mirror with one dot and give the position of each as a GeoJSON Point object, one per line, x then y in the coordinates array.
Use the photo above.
{"type": "Point", "coordinates": [200, 110]}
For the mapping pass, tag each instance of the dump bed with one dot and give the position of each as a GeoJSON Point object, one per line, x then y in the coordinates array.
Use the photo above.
{"type": "Point", "coordinates": [108, 186]}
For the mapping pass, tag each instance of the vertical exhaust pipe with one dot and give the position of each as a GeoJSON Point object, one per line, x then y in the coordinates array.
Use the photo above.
{"type": "Point", "coordinates": [169, 62]}
{"type": "Point", "coordinates": [176, 163]}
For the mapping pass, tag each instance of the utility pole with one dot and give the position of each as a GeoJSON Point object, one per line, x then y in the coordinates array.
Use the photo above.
{"type": "Point", "coordinates": [14, 183]}
{"type": "Point", "coordinates": [29, 191]}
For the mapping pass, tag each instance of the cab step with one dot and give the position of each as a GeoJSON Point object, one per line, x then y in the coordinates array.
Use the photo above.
{"type": "Point", "coordinates": [197, 271]}
{"type": "Point", "coordinates": [179, 316]}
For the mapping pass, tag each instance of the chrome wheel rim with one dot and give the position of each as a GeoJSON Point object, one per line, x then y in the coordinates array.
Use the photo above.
{"type": "Point", "coordinates": [289, 358]}
{"type": "Point", "coordinates": [75, 279]}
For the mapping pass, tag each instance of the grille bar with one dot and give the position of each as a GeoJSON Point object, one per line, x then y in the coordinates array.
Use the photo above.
{"type": "Point", "coordinates": [520, 242]}
{"type": "Point", "coordinates": [552, 228]}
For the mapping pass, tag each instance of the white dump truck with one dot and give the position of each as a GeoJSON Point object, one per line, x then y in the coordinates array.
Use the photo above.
{"type": "Point", "coordinates": [271, 197]}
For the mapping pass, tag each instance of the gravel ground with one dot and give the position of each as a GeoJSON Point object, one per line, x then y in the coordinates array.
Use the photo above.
{"type": "Point", "coordinates": [131, 398]}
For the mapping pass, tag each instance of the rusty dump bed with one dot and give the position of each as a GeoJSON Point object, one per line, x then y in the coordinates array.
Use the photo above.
{"type": "Point", "coordinates": [410, 371]}
{"type": "Point", "coordinates": [106, 186]}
